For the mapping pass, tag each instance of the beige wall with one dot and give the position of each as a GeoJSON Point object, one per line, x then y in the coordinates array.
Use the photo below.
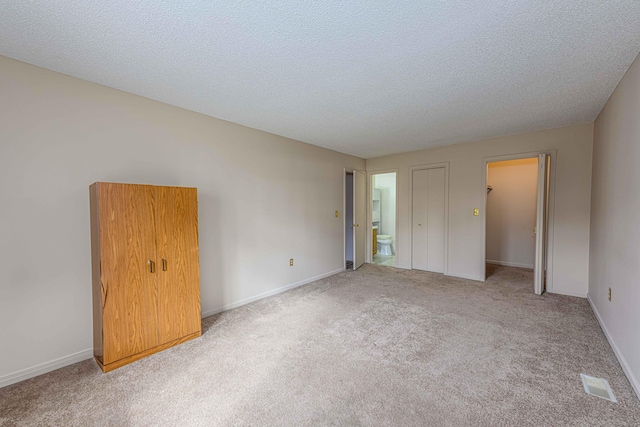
{"type": "Point", "coordinates": [263, 199]}
{"type": "Point", "coordinates": [615, 227]}
{"type": "Point", "coordinates": [511, 212]}
{"type": "Point", "coordinates": [570, 255]}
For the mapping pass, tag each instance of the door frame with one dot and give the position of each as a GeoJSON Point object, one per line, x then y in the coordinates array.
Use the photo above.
{"type": "Point", "coordinates": [345, 171]}
{"type": "Point", "coordinates": [369, 245]}
{"type": "Point", "coordinates": [428, 166]}
{"type": "Point", "coordinates": [553, 155]}
{"type": "Point", "coordinates": [357, 229]}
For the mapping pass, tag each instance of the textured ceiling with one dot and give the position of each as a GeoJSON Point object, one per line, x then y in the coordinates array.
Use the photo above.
{"type": "Point", "coordinates": [365, 78]}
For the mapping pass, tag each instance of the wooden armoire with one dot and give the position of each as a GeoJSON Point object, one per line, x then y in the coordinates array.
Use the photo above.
{"type": "Point", "coordinates": [146, 276]}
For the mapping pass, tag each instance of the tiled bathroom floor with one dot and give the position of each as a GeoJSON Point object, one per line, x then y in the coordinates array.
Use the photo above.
{"type": "Point", "coordinates": [389, 260]}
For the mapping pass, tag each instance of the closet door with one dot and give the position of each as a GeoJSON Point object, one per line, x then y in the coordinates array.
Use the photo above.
{"type": "Point", "coordinates": [419, 226]}
{"type": "Point", "coordinates": [435, 220]}
{"type": "Point", "coordinates": [178, 265]}
{"type": "Point", "coordinates": [127, 269]}
{"type": "Point", "coordinates": [428, 220]}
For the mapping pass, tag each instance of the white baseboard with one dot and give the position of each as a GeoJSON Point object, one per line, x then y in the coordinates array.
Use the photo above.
{"type": "Point", "coordinates": [465, 276]}
{"type": "Point", "coordinates": [43, 368]}
{"type": "Point", "coordinates": [623, 362]}
{"type": "Point", "coordinates": [568, 293]}
{"type": "Point", "coordinates": [268, 294]}
{"type": "Point", "coordinates": [509, 264]}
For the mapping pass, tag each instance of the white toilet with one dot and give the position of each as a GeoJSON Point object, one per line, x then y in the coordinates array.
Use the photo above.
{"type": "Point", "coordinates": [384, 244]}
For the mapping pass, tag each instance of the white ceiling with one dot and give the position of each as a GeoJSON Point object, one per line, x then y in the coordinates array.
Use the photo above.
{"type": "Point", "coordinates": [367, 78]}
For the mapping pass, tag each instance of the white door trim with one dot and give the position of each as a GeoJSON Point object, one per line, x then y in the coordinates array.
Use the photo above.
{"type": "Point", "coordinates": [363, 209]}
{"type": "Point", "coordinates": [345, 171]}
{"type": "Point", "coordinates": [541, 225]}
{"type": "Point", "coordinates": [444, 165]}
{"type": "Point", "coordinates": [553, 155]}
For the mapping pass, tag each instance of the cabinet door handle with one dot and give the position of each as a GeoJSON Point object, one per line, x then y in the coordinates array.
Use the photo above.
{"type": "Point", "coordinates": [164, 264]}
{"type": "Point", "coordinates": [150, 266]}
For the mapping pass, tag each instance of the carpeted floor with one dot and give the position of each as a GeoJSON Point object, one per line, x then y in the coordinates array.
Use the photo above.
{"type": "Point", "coordinates": [378, 346]}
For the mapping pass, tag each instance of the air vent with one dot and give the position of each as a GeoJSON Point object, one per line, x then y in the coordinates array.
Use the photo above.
{"type": "Point", "coordinates": [598, 387]}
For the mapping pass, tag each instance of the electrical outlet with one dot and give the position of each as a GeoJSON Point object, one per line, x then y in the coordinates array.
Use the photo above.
{"type": "Point", "coordinates": [609, 294]}
{"type": "Point", "coordinates": [291, 262]}
{"type": "Point", "coordinates": [337, 214]}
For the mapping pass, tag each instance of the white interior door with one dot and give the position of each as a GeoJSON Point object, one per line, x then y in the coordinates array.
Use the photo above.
{"type": "Point", "coordinates": [419, 254]}
{"type": "Point", "coordinates": [348, 219]}
{"type": "Point", "coordinates": [435, 221]}
{"type": "Point", "coordinates": [428, 216]}
{"type": "Point", "coordinates": [541, 225]}
{"type": "Point", "coordinates": [359, 218]}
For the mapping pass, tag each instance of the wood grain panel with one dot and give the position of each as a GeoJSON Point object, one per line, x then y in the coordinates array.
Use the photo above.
{"type": "Point", "coordinates": [129, 293]}
{"type": "Point", "coordinates": [179, 277]}
{"type": "Point", "coordinates": [374, 243]}
{"type": "Point", "coordinates": [138, 356]}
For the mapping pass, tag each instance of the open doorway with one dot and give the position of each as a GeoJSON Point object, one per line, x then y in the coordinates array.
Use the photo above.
{"type": "Point", "coordinates": [511, 214]}
{"type": "Point", "coordinates": [383, 218]}
{"type": "Point", "coordinates": [516, 218]}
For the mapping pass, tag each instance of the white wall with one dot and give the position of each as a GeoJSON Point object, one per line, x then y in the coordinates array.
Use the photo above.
{"type": "Point", "coordinates": [615, 227]}
{"type": "Point", "coordinates": [262, 200]}
{"type": "Point", "coordinates": [511, 212]}
{"type": "Point", "coordinates": [386, 183]}
{"type": "Point", "coordinates": [466, 244]}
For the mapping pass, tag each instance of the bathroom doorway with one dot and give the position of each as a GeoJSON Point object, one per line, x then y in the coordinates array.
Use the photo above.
{"type": "Point", "coordinates": [517, 214]}
{"type": "Point", "coordinates": [383, 218]}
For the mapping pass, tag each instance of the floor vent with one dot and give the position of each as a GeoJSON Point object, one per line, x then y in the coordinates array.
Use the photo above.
{"type": "Point", "coordinates": [598, 387]}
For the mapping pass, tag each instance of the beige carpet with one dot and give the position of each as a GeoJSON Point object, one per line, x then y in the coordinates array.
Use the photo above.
{"type": "Point", "coordinates": [378, 346]}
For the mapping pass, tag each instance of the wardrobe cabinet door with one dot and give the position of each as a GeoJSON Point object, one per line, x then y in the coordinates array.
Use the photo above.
{"type": "Point", "coordinates": [127, 271]}
{"type": "Point", "coordinates": [178, 265]}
